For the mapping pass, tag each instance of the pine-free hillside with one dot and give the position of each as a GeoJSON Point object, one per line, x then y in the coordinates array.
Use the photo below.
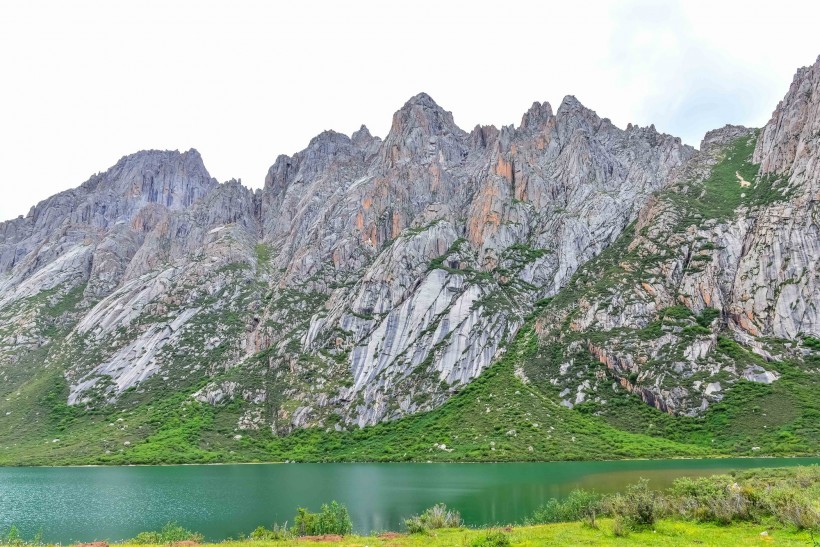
{"type": "Point", "coordinates": [563, 289]}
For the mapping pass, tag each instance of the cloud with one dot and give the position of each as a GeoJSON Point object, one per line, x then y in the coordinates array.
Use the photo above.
{"type": "Point", "coordinates": [92, 80]}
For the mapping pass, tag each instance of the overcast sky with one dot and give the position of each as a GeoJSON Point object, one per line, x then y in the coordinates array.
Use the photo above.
{"type": "Point", "coordinates": [86, 82]}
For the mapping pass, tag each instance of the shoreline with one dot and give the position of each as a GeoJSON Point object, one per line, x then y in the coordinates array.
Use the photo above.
{"type": "Point", "coordinates": [667, 532]}
{"type": "Point", "coordinates": [370, 462]}
{"type": "Point", "coordinates": [738, 508]}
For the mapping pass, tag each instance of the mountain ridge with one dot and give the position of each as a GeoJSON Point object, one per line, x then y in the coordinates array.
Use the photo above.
{"type": "Point", "coordinates": [370, 280]}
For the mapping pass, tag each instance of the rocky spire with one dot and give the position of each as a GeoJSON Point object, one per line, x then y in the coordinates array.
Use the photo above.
{"type": "Point", "coordinates": [421, 128]}
{"type": "Point", "coordinates": [794, 129]}
{"type": "Point", "coordinates": [536, 117]}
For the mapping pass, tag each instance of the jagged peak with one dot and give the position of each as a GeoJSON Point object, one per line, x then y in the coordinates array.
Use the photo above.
{"type": "Point", "coordinates": [192, 154]}
{"type": "Point", "coordinates": [794, 123]}
{"type": "Point", "coordinates": [422, 112]}
{"type": "Point", "coordinates": [537, 115]}
{"type": "Point", "coordinates": [328, 135]}
{"type": "Point", "coordinates": [362, 136]}
{"type": "Point", "coordinates": [571, 107]}
{"type": "Point", "coordinates": [422, 99]}
{"type": "Point", "coordinates": [570, 102]}
{"type": "Point", "coordinates": [483, 135]}
{"type": "Point", "coordinates": [415, 125]}
{"type": "Point", "coordinates": [190, 160]}
{"type": "Point", "coordinates": [723, 135]}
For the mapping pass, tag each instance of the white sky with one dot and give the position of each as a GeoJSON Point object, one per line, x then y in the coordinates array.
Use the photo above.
{"type": "Point", "coordinates": [86, 82]}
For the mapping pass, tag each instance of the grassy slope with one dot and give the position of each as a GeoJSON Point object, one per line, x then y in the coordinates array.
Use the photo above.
{"type": "Point", "coordinates": [496, 418]}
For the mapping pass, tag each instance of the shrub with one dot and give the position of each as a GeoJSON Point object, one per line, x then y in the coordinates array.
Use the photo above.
{"type": "Point", "coordinates": [276, 532]}
{"type": "Point", "coordinates": [792, 507]}
{"type": "Point", "coordinates": [434, 518]}
{"type": "Point", "coordinates": [716, 498]}
{"type": "Point", "coordinates": [638, 506]}
{"type": "Point", "coordinates": [415, 525]}
{"type": "Point", "coordinates": [788, 497]}
{"type": "Point", "coordinates": [169, 533]}
{"type": "Point", "coordinates": [620, 528]}
{"type": "Point", "coordinates": [578, 505]}
{"type": "Point", "coordinates": [13, 538]}
{"type": "Point", "coordinates": [493, 538]}
{"type": "Point", "coordinates": [333, 519]}
{"type": "Point", "coordinates": [811, 342]}
{"type": "Point", "coordinates": [707, 315]}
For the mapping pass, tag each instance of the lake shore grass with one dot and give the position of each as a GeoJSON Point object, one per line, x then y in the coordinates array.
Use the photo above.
{"type": "Point", "coordinates": [665, 532]}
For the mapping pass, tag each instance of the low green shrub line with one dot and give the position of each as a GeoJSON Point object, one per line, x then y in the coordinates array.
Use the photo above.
{"type": "Point", "coordinates": [781, 497]}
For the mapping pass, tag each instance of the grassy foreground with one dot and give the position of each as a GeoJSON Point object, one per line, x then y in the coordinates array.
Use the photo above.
{"type": "Point", "coordinates": [666, 532]}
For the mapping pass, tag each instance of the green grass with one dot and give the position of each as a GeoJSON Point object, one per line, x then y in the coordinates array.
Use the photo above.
{"type": "Point", "coordinates": [671, 533]}
{"type": "Point", "coordinates": [664, 533]}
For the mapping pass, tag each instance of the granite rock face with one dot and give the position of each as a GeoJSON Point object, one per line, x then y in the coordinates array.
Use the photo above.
{"type": "Point", "coordinates": [372, 278]}
{"type": "Point", "coordinates": [722, 262]}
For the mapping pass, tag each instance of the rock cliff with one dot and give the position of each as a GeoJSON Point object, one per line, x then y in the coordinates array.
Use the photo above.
{"type": "Point", "coordinates": [716, 282]}
{"type": "Point", "coordinates": [373, 278]}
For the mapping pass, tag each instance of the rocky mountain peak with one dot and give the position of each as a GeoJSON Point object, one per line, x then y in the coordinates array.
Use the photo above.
{"type": "Point", "coordinates": [168, 177]}
{"type": "Point", "coordinates": [570, 103]}
{"type": "Point", "coordinates": [482, 136]}
{"type": "Point", "coordinates": [793, 133]}
{"type": "Point", "coordinates": [718, 138]}
{"type": "Point", "coordinates": [422, 128]}
{"type": "Point", "coordinates": [362, 137]}
{"type": "Point", "coordinates": [537, 116]}
{"type": "Point", "coordinates": [421, 113]}
{"type": "Point", "coordinates": [573, 116]}
{"type": "Point", "coordinates": [422, 100]}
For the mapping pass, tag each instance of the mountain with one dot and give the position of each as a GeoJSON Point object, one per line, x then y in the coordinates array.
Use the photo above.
{"type": "Point", "coordinates": [634, 294]}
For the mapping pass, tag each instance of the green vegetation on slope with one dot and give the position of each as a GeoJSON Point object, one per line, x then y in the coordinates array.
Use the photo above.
{"type": "Point", "coordinates": [495, 418]}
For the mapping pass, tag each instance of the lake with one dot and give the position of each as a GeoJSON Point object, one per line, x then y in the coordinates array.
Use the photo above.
{"type": "Point", "coordinates": [85, 503]}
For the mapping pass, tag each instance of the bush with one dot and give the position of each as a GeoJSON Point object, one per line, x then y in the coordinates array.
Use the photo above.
{"type": "Point", "coordinates": [792, 507]}
{"type": "Point", "coordinates": [789, 497]}
{"type": "Point", "coordinates": [169, 533]}
{"type": "Point", "coordinates": [707, 315]}
{"type": "Point", "coordinates": [718, 499]}
{"type": "Point", "coordinates": [491, 539]}
{"type": "Point", "coordinates": [811, 342]}
{"type": "Point", "coordinates": [13, 537]}
{"type": "Point", "coordinates": [434, 518]}
{"type": "Point", "coordinates": [638, 507]}
{"type": "Point", "coordinates": [333, 519]}
{"type": "Point", "coordinates": [620, 528]}
{"type": "Point", "coordinates": [578, 505]}
{"type": "Point", "coordinates": [276, 532]}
